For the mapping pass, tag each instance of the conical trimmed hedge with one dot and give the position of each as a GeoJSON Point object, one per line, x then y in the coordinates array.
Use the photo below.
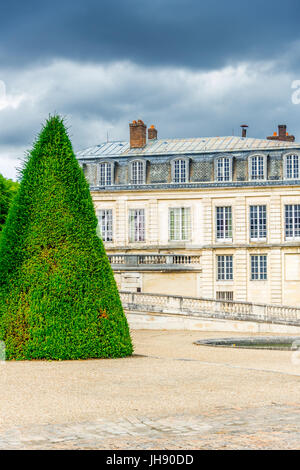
{"type": "Point", "coordinates": [7, 191]}
{"type": "Point", "coordinates": [4, 200]}
{"type": "Point", "coordinates": [58, 296]}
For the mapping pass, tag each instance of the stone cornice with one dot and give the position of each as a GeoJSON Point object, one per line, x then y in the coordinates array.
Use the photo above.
{"type": "Point", "coordinates": [206, 185]}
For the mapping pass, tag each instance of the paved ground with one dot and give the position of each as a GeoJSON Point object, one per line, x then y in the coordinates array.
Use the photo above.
{"type": "Point", "coordinates": [170, 395]}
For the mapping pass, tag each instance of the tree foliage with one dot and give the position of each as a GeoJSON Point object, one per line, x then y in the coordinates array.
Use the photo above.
{"type": "Point", "coordinates": [58, 296]}
{"type": "Point", "coordinates": [8, 189]}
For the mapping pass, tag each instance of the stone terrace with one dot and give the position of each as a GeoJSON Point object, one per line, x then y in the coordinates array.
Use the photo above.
{"type": "Point", "coordinates": [170, 395]}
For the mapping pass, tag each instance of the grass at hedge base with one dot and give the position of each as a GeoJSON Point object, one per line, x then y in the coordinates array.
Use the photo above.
{"type": "Point", "coordinates": [58, 296]}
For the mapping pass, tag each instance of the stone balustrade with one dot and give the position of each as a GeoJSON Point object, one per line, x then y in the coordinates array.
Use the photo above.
{"type": "Point", "coordinates": [153, 259]}
{"type": "Point", "coordinates": [234, 310]}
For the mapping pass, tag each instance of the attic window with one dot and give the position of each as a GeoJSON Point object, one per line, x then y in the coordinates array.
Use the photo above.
{"type": "Point", "coordinates": [106, 172]}
{"type": "Point", "coordinates": [257, 167]}
{"type": "Point", "coordinates": [223, 169]}
{"type": "Point", "coordinates": [180, 170]}
{"type": "Point", "coordinates": [291, 166]}
{"type": "Point", "coordinates": [138, 172]}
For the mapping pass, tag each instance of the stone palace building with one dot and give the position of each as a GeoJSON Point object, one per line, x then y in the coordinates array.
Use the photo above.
{"type": "Point", "coordinates": [215, 217]}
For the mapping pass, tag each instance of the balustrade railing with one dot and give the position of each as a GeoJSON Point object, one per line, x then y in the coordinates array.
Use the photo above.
{"type": "Point", "coordinates": [153, 259]}
{"type": "Point", "coordinates": [163, 303]}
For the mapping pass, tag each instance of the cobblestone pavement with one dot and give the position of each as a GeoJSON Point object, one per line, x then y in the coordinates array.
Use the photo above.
{"type": "Point", "coordinates": [170, 395]}
{"type": "Point", "coordinates": [274, 427]}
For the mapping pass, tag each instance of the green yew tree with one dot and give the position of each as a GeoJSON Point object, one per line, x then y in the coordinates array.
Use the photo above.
{"type": "Point", "coordinates": [58, 296]}
{"type": "Point", "coordinates": [4, 200]}
{"type": "Point", "coordinates": [7, 191]}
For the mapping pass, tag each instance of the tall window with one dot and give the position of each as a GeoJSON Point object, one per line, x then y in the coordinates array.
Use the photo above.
{"type": "Point", "coordinates": [223, 169]}
{"type": "Point", "coordinates": [258, 222]}
{"type": "Point", "coordinates": [225, 268]}
{"type": "Point", "coordinates": [292, 166]}
{"type": "Point", "coordinates": [180, 171]}
{"type": "Point", "coordinates": [105, 176]}
{"type": "Point", "coordinates": [292, 221]}
{"type": "Point", "coordinates": [257, 167]}
{"type": "Point", "coordinates": [138, 172]}
{"type": "Point", "coordinates": [106, 224]}
{"type": "Point", "coordinates": [137, 225]}
{"type": "Point", "coordinates": [180, 224]}
{"type": "Point", "coordinates": [258, 267]}
{"type": "Point", "coordinates": [224, 223]}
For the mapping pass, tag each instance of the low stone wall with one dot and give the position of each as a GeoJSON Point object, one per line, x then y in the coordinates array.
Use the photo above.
{"type": "Point", "coordinates": [154, 321]}
{"type": "Point", "coordinates": [155, 311]}
{"type": "Point", "coordinates": [210, 308]}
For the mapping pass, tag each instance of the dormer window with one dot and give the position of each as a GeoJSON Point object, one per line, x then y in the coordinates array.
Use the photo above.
{"type": "Point", "coordinates": [180, 170]}
{"type": "Point", "coordinates": [224, 169]}
{"type": "Point", "coordinates": [138, 172]}
{"type": "Point", "coordinates": [105, 174]}
{"type": "Point", "coordinates": [291, 166]}
{"type": "Point", "coordinates": [257, 167]}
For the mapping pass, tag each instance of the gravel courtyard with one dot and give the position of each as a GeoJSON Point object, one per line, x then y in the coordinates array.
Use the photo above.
{"type": "Point", "coordinates": [171, 394]}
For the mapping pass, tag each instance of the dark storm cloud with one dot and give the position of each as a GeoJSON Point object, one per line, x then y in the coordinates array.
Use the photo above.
{"type": "Point", "coordinates": [189, 33]}
{"type": "Point", "coordinates": [191, 68]}
{"type": "Point", "coordinates": [181, 102]}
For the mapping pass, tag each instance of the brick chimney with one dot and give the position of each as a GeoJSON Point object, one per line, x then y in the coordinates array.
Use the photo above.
{"type": "Point", "coordinates": [152, 133]}
{"type": "Point", "coordinates": [282, 134]}
{"type": "Point", "coordinates": [282, 131]}
{"type": "Point", "coordinates": [244, 130]}
{"type": "Point", "coordinates": [137, 134]}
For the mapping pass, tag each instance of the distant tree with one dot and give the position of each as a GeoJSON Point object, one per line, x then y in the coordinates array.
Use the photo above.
{"type": "Point", "coordinates": [8, 189]}
{"type": "Point", "coordinates": [58, 296]}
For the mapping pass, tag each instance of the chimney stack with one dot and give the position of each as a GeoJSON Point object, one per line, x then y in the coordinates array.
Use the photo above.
{"type": "Point", "coordinates": [282, 134]}
{"type": "Point", "coordinates": [282, 131]}
{"type": "Point", "coordinates": [152, 133]}
{"type": "Point", "coordinates": [244, 130]}
{"type": "Point", "coordinates": [137, 134]}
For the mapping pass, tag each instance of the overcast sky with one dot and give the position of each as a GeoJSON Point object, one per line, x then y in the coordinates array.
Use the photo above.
{"type": "Point", "coordinates": [192, 68]}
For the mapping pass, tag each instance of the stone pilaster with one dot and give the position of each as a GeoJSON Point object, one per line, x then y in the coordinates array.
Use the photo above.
{"type": "Point", "coordinates": [275, 276]}
{"type": "Point", "coordinates": [152, 224]}
{"type": "Point", "coordinates": [239, 220]}
{"type": "Point", "coordinates": [276, 225]}
{"type": "Point", "coordinates": [208, 274]}
{"type": "Point", "coordinates": [121, 222]}
{"type": "Point", "coordinates": [240, 275]}
{"type": "Point", "coordinates": [207, 226]}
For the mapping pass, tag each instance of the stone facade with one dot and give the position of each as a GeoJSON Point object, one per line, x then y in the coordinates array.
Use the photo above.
{"type": "Point", "coordinates": [190, 266]}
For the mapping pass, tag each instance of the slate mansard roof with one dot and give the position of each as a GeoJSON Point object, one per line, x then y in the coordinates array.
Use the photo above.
{"type": "Point", "coordinates": [199, 145]}
{"type": "Point", "coordinates": [201, 156]}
